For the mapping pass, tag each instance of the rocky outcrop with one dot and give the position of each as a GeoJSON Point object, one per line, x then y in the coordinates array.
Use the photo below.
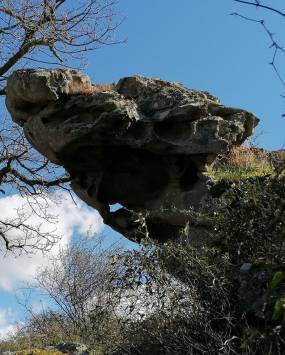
{"type": "Point", "coordinates": [144, 145]}
{"type": "Point", "coordinates": [72, 348]}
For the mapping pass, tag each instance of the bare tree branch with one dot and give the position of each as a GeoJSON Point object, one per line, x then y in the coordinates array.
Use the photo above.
{"type": "Point", "coordinates": [51, 32]}
{"type": "Point", "coordinates": [39, 182]}
{"type": "Point", "coordinates": [54, 25]}
{"type": "Point", "coordinates": [277, 48]}
{"type": "Point", "coordinates": [258, 4]}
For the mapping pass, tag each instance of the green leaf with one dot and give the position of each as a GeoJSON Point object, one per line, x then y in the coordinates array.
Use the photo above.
{"type": "Point", "coordinates": [278, 308]}
{"type": "Point", "coordinates": [277, 278]}
{"type": "Point", "coordinates": [244, 344]}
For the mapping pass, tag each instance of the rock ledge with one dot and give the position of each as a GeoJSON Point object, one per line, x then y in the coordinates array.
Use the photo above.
{"type": "Point", "coordinates": [144, 145]}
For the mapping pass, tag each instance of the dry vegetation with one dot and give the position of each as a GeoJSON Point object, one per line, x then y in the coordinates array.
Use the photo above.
{"type": "Point", "coordinates": [242, 163]}
{"type": "Point", "coordinates": [38, 352]}
{"type": "Point", "coordinates": [98, 88]}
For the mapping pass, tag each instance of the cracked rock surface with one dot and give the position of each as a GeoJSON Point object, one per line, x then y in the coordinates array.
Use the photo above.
{"type": "Point", "coordinates": [143, 144]}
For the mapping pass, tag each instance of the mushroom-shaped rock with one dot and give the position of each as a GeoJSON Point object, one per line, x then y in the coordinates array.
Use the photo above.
{"type": "Point", "coordinates": [143, 144]}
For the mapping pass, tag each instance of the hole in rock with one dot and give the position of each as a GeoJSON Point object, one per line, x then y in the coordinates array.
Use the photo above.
{"type": "Point", "coordinates": [189, 176]}
{"type": "Point", "coordinates": [123, 175]}
{"type": "Point", "coordinates": [115, 207]}
{"type": "Point", "coordinates": [78, 157]}
{"type": "Point", "coordinates": [131, 177]}
{"type": "Point", "coordinates": [162, 231]}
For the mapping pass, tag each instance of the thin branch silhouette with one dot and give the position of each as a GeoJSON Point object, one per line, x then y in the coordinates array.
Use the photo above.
{"type": "Point", "coordinates": [258, 4]}
{"type": "Point", "coordinates": [274, 44]}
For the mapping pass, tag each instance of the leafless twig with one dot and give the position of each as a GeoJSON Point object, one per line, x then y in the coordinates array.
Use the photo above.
{"type": "Point", "coordinates": [54, 33]}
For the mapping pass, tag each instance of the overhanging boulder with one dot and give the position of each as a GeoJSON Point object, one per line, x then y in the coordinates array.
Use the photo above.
{"type": "Point", "coordinates": [143, 143]}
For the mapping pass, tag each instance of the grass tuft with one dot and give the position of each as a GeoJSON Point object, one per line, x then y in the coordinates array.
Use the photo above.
{"type": "Point", "coordinates": [242, 163]}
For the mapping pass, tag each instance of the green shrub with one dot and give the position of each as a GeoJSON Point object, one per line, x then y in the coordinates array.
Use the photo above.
{"type": "Point", "coordinates": [250, 219]}
{"type": "Point", "coordinates": [249, 224]}
{"type": "Point", "coordinates": [185, 293]}
{"type": "Point", "coordinates": [223, 297]}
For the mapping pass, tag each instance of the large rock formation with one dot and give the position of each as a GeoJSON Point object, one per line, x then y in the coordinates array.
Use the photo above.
{"type": "Point", "coordinates": [143, 144]}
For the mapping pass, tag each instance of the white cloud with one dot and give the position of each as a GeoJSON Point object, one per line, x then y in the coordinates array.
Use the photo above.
{"type": "Point", "coordinates": [71, 217]}
{"type": "Point", "coordinates": [7, 325]}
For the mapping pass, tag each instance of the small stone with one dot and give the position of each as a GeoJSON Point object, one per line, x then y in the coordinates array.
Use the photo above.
{"type": "Point", "coordinates": [245, 267]}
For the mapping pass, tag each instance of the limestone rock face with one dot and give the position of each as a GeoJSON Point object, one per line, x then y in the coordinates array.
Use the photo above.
{"type": "Point", "coordinates": [144, 145]}
{"type": "Point", "coordinates": [31, 89]}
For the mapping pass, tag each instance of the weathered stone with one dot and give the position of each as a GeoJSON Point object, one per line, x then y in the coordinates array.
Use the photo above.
{"type": "Point", "coordinates": [32, 89]}
{"type": "Point", "coordinates": [72, 348]}
{"type": "Point", "coordinates": [144, 145]}
{"type": "Point", "coordinates": [245, 267]}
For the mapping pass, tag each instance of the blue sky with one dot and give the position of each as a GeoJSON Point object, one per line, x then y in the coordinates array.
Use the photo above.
{"type": "Point", "coordinates": [196, 43]}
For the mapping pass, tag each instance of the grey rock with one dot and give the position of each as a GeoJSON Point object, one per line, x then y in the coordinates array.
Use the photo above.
{"type": "Point", "coordinates": [245, 267]}
{"type": "Point", "coordinates": [144, 145]}
{"type": "Point", "coordinates": [72, 348]}
{"type": "Point", "coordinates": [29, 90]}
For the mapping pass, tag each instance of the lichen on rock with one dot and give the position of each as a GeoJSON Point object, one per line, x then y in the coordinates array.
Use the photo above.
{"type": "Point", "coordinates": [144, 145]}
